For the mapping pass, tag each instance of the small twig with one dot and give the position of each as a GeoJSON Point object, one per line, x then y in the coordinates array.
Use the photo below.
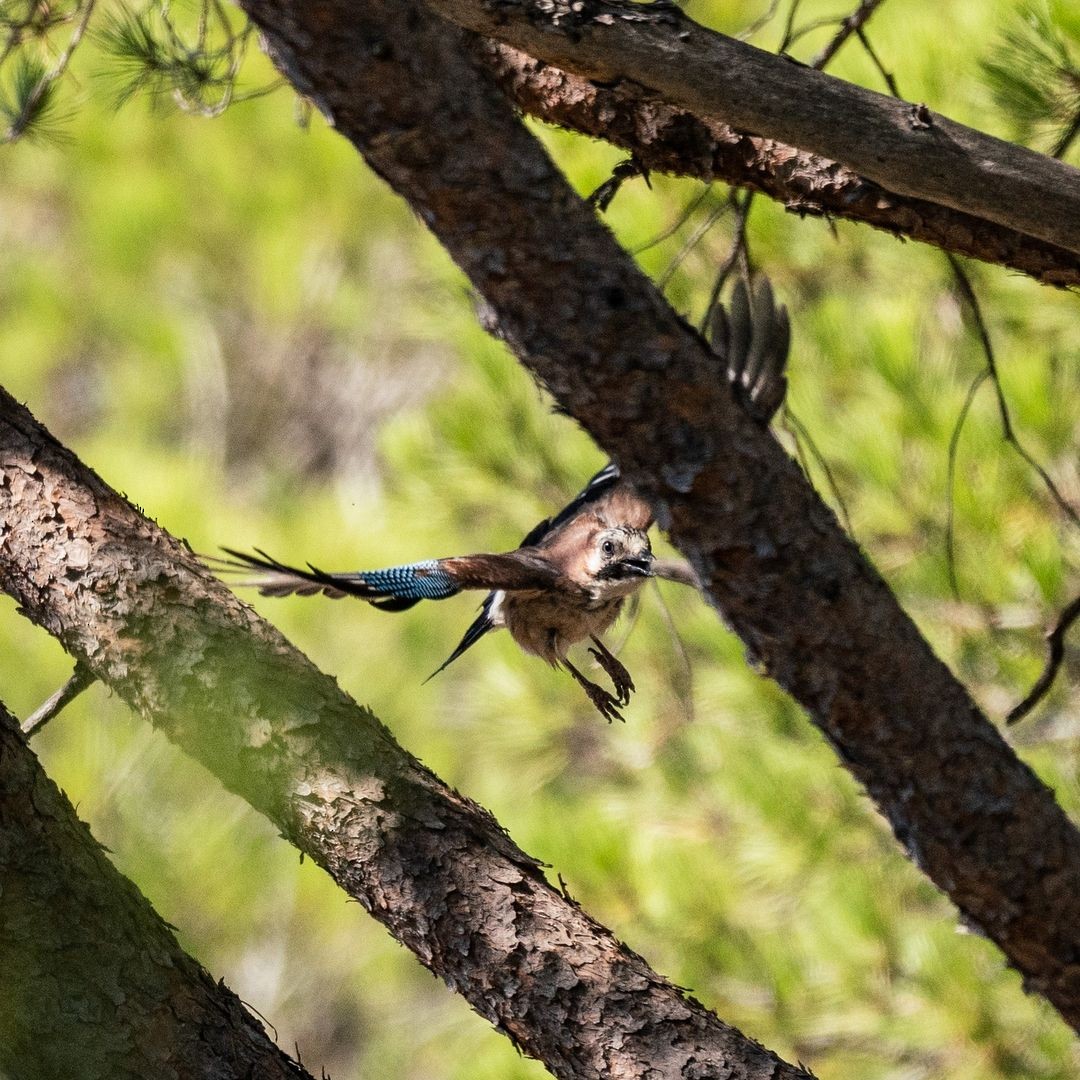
{"type": "Point", "coordinates": [684, 216]}
{"type": "Point", "coordinates": [695, 238]}
{"type": "Point", "coordinates": [1070, 614]}
{"type": "Point", "coordinates": [950, 481]}
{"type": "Point", "coordinates": [887, 75]}
{"type": "Point", "coordinates": [789, 27]}
{"type": "Point", "coordinates": [808, 28]}
{"type": "Point", "coordinates": [1056, 642]}
{"type": "Point", "coordinates": [760, 22]}
{"type": "Point", "coordinates": [623, 171]}
{"type": "Point", "coordinates": [853, 24]}
{"type": "Point", "coordinates": [685, 692]}
{"type": "Point", "coordinates": [1007, 431]}
{"type": "Point", "coordinates": [80, 679]}
{"type": "Point", "coordinates": [800, 433]}
{"type": "Point", "coordinates": [740, 251]}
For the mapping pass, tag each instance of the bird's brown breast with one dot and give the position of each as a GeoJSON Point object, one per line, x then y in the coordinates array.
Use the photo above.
{"type": "Point", "coordinates": [547, 625]}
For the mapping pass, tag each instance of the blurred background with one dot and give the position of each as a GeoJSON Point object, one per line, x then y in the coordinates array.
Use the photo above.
{"type": "Point", "coordinates": [239, 326]}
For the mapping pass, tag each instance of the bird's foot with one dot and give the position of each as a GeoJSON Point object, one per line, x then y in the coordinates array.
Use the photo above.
{"type": "Point", "coordinates": [620, 677]}
{"type": "Point", "coordinates": [606, 704]}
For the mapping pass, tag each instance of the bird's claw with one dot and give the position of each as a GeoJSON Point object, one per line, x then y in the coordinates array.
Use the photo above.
{"type": "Point", "coordinates": [620, 677]}
{"type": "Point", "coordinates": [606, 704]}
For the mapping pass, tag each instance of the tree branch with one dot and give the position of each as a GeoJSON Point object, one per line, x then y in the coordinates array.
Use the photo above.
{"type": "Point", "coordinates": [810, 608]}
{"type": "Point", "coordinates": [137, 609]}
{"type": "Point", "coordinates": [666, 138]}
{"type": "Point", "coordinates": [95, 984]}
{"type": "Point", "coordinates": [907, 149]}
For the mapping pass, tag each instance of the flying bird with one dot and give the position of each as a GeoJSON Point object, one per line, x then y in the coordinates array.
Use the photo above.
{"type": "Point", "coordinates": [569, 578]}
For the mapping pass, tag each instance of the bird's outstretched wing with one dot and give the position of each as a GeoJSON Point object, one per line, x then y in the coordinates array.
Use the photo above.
{"type": "Point", "coordinates": [397, 587]}
{"type": "Point", "coordinates": [601, 485]}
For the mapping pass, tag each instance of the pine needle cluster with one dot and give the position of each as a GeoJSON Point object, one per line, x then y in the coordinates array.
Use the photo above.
{"type": "Point", "coordinates": [1034, 75]}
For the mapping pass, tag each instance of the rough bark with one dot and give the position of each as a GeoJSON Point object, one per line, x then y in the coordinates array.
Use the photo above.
{"type": "Point", "coordinates": [94, 984]}
{"type": "Point", "coordinates": [437, 870]}
{"type": "Point", "coordinates": [906, 148]}
{"type": "Point", "coordinates": [810, 608]}
{"type": "Point", "coordinates": [668, 139]}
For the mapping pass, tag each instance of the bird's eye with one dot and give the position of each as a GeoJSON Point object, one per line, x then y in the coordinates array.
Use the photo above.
{"type": "Point", "coordinates": [608, 548]}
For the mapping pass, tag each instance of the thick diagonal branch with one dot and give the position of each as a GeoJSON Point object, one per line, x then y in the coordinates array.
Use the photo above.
{"type": "Point", "coordinates": [95, 984]}
{"type": "Point", "coordinates": [775, 562]}
{"type": "Point", "coordinates": [666, 138]}
{"type": "Point", "coordinates": [907, 149]}
{"type": "Point", "coordinates": [136, 609]}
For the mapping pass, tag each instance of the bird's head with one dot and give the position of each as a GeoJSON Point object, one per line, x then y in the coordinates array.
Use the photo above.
{"type": "Point", "coordinates": [620, 557]}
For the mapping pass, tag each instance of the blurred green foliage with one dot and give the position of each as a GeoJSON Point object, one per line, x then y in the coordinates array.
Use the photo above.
{"type": "Point", "coordinates": [240, 327]}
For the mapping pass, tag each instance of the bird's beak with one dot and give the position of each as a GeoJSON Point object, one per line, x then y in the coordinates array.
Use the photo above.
{"type": "Point", "coordinates": [638, 565]}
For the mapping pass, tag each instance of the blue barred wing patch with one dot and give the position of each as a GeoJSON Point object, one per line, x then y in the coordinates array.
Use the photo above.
{"type": "Point", "coordinates": [416, 581]}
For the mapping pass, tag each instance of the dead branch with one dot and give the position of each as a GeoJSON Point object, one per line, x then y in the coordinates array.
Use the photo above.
{"type": "Point", "coordinates": [907, 149]}
{"type": "Point", "coordinates": [669, 139]}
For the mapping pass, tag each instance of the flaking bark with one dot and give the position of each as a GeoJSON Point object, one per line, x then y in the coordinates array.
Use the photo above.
{"type": "Point", "coordinates": [810, 608]}
{"type": "Point", "coordinates": [906, 148]}
{"type": "Point", "coordinates": [666, 138]}
{"type": "Point", "coordinates": [94, 985]}
{"type": "Point", "coordinates": [436, 869]}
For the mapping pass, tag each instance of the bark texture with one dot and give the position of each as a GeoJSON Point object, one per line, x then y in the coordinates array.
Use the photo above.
{"type": "Point", "coordinates": [669, 139]}
{"type": "Point", "coordinates": [810, 608]}
{"type": "Point", "coordinates": [436, 869]}
{"type": "Point", "coordinates": [95, 986]}
{"type": "Point", "coordinates": [906, 148]}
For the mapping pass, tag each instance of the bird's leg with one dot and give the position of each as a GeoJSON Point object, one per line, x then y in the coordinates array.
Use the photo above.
{"type": "Point", "coordinates": [620, 677]}
{"type": "Point", "coordinates": [607, 705]}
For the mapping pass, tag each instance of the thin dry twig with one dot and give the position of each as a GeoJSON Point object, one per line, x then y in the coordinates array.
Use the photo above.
{"type": "Point", "coordinates": [625, 170]}
{"type": "Point", "coordinates": [1008, 432]}
{"type": "Point", "coordinates": [805, 441]}
{"type": "Point", "coordinates": [692, 242]}
{"type": "Point", "coordinates": [853, 24]}
{"type": "Point", "coordinates": [739, 252]}
{"type": "Point", "coordinates": [1068, 137]}
{"type": "Point", "coordinates": [684, 216]}
{"type": "Point", "coordinates": [950, 482]}
{"type": "Point", "coordinates": [682, 682]}
{"type": "Point", "coordinates": [81, 678]}
{"type": "Point", "coordinates": [890, 80]}
{"type": "Point", "coordinates": [760, 22]}
{"type": "Point", "coordinates": [787, 39]}
{"type": "Point", "coordinates": [1056, 642]}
